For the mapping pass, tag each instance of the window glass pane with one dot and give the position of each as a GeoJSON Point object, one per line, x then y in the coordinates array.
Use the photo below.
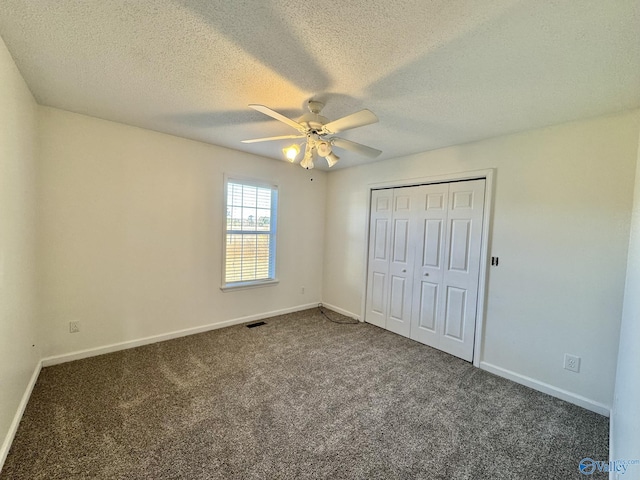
{"type": "Point", "coordinates": [249, 195]}
{"type": "Point", "coordinates": [263, 217]}
{"type": "Point", "coordinates": [248, 218]}
{"type": "Point", "coordinates": [236, 218]}
{"type": "Point", "coordinates": [234, 194]}
{"type": "Point", "coordinates": [262, 255]}
{"type": "Point", "coordinates": [264, 198]}
{"type": "Point", "coordinates": [248, 252]}
{"type": "Point", "coordinates": [234, 258]}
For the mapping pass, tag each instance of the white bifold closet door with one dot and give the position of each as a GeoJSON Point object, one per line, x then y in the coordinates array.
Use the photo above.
{"type": "Point", "coordinates": [424, 263]}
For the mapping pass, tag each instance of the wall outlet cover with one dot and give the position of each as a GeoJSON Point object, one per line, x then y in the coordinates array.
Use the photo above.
{"type": "Point", "coordinates": [572, 363]}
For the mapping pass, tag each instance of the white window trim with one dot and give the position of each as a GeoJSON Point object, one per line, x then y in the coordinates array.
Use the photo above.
{"type": "Point", "coordinates": [248, 285]}
{"type": "Point", "coordinates": [226, 287]}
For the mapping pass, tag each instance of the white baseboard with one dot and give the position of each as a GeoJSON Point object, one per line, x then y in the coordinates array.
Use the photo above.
{"type": "Point", "coordinates": [92, 352]}
{"type": "Point", "coordinates": [341, 311]}
{"type": "Point", "coordinates": [565, 395]}
{"type": "Point", "coordinates": [13, 428]}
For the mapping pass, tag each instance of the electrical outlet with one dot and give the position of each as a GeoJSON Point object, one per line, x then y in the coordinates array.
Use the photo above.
{"type": "Point", "coordinates": [571, 363]}
{"type": "Point", "coordinates": [74, 327]}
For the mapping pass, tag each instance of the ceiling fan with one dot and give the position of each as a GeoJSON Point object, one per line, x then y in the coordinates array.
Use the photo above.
{"type": "Point", "coordinates": [319, 132]}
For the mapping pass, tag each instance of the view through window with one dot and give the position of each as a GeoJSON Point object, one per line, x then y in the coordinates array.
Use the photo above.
{"type": "Point", "coordinates": [251, 232]}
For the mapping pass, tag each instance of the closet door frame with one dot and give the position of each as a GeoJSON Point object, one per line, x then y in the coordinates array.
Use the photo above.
{"type": "Point", "coordinates": [487, 227]}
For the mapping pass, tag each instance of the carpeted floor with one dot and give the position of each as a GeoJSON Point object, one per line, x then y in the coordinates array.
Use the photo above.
{"type": "Point", "coordinates": [299, 397]}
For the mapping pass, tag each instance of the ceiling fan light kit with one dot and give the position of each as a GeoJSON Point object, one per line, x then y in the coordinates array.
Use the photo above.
{"type": "Point", "coordinates": [318, 131]}
{"type": "Point", "coordinates": [323, 149]}
{"type": "Point", "coordinates": [307, 161]}
{"type": "Point", "coordinates": [291, 152]}
{"type": "Point", "coordinates": [332, 159]}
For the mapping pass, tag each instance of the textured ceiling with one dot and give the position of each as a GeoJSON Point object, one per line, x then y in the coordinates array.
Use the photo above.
{"type": "Point", "coordinates": [436, 73]}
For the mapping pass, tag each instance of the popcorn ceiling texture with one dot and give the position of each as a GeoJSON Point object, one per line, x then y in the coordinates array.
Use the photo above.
{"type": "Point", "coordinates": [437, 72]}
{"type": "Point", "coordinates": [299, 397]}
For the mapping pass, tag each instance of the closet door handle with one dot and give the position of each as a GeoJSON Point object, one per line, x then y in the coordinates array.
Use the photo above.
{"type": "Point", "coordinates": [404, 270]}
{"type": "Point", "coordinates": [426, 274]}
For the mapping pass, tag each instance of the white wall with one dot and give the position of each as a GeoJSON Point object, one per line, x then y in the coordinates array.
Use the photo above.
{"type": "Point", "coordinates": [560, 227]}
{"type": "Point", "coordinates": [19, 351]}
{"type": "Point", "coordinates": [131, 233]}
{"type": "Point", "coordinates": [625, 420]}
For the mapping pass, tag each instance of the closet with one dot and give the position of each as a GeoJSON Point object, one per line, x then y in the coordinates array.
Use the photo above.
{"type": "Point", "coordinates": [424, 263]}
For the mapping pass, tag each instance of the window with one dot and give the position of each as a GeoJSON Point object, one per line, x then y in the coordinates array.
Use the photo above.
{"type": "Point", "coordinates": [250, 237]}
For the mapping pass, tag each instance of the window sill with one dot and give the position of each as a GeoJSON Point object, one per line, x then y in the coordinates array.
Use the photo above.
{"type": "Point", "coordinates": [246, 285]}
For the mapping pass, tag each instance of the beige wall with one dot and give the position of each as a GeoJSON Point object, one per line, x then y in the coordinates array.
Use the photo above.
{"type": "Point", "coordinates": [131, 233]}
{"type": "Point", "coordinates": [625, 421]}
{"type": "Point", "coordinates": [19, 349]}
{"type": "Point", "coordinates": [560, 227]}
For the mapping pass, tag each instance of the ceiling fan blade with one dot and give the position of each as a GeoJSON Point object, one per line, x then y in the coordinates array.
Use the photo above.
{"type": "Point", "coordinates": [268, 139]}
{"type": "Point", "coordinates": [358, 119]}
{"type": "Point", "coordinates": [356, 147]}
{"type": "Point", "coordinates": [278, 116]}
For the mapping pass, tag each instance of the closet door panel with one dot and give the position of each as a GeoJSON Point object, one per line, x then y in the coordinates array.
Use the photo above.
{"type": "Point", "coordinates": [431, 253]}
{"type": "Point", "coordinates": [379, 253]}
{"type": "Point", "coordinates": [455, 312]}
{"type": "Point", "coordinates": [401, 264]}
{"type": "Point", "coordinates": [428, 307]}
{"type": "Point", "coordinates": [460, 245]}
{"type": "Point", "coordinates": [377, 293]}
{"type": "Point", "coordinates": [462, 260]}
{"type": "Point", "coordinates": [398, 289]}
{"type": "Point", "coordinates": [429, 242]}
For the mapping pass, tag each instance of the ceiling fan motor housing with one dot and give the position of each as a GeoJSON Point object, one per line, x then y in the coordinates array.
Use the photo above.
{"type": "Point", "coordinates": [315, 106]}
{"type": "Point", "coordinates": [313, 120]}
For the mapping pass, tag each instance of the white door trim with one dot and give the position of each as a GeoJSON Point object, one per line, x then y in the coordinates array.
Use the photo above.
{"type": "Point", "coordinates": [488, 175]}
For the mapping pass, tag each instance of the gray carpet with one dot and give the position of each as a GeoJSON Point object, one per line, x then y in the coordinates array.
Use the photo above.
{"type": "Point", "coordinates": [300, 397]}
